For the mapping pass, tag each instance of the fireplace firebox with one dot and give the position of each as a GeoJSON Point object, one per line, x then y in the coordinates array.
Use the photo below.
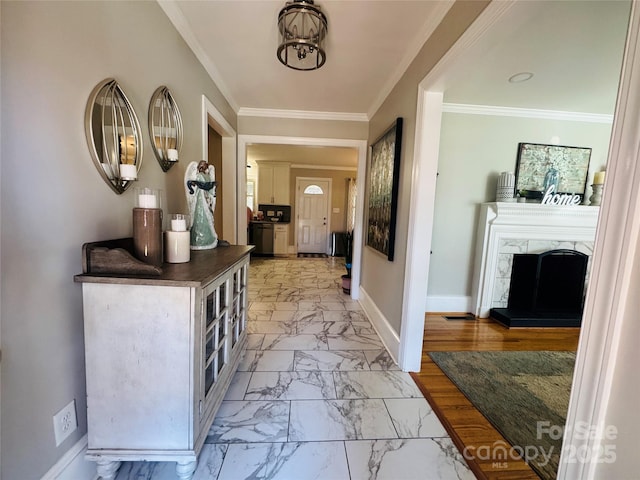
{"type": "Point", "coordinates": [547, 290]}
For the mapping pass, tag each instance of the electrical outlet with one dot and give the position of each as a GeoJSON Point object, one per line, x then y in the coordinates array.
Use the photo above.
{"type": "Point", "coordinates": [65, 422]}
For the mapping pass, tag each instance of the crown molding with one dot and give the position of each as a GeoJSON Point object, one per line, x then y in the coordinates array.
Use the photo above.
{"type": "Point", "coordinates": [526, 113]}
{"type": "Point", "coordinates": [302, 114]}
{"type": "Point", "coordinates": [411, 52]}
{"type": "Point", "coordinates": [324, 167]}
{"type": "Point", "coordinates": [173, 12]}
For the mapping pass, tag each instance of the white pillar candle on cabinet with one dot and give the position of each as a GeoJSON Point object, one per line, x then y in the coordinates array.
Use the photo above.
{"type": "Point", "coordinates": [147, 198]}
{"type": "Point", "coordinates": [178, 223]}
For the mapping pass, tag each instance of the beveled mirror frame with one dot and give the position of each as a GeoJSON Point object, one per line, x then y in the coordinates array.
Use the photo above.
{"type": "Point", "coordinates": [165, 127]}
{"type": "Point", "coordinates": [105, 129]}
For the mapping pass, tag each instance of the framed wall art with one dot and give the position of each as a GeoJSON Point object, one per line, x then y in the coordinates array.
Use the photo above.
{"type": "Point", "coordinates": [383, 182]}
{"type": "Point", "coordinates": [539, 166]}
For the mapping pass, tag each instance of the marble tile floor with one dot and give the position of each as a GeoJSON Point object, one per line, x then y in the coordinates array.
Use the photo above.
{"type": "Point", "coordinates": [316, 395]}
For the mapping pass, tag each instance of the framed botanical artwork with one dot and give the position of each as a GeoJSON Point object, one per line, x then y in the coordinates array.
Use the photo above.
{"type": "Point", "coordinates": [539, 166]}
{"type": "Point", "coordinates": [383, 182]}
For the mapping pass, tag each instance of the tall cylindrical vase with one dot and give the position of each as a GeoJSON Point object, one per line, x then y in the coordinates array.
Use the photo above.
{"type": "Point", "coordinates": [147, 235]}
{"type": "Point", "coordinates": [506, 187]}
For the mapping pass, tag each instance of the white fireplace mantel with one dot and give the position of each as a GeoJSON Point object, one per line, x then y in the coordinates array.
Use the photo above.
{"type": "Point", "coordinates": [507, 228]}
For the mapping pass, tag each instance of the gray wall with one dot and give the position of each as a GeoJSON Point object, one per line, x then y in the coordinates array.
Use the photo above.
{"type": "Point", "coordinates": [289, 127]}
{"type": "Point", "coordinates": [402, 102]}
{"type": "Point", "coordinates": [474, 149]}
{"type": "Point", "coordinates": [53, 200]}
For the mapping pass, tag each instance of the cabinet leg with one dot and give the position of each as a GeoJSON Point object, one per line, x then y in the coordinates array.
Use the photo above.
{"type": "Point", "coordinates": [107, 469]}
{"type": "Point", "coordinates": [185, 470]}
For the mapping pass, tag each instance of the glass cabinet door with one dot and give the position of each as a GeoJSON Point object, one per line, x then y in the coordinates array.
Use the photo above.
{"type": "Point", "coordinates": [237, 313]}
{"type": "Point", "coordinates": [216, 311]}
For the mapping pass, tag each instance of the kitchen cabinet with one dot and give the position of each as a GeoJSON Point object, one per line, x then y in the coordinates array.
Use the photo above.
{"type": "Point", "coordinates": [280, 239]}
{"type": "Point", "coordinates": [273, 183]}
{"type": "Point", "coordinates": [160, 353]}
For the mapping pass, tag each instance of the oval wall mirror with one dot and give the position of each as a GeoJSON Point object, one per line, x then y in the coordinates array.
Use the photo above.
{"type": "Point", "coordinates": [113, 134]}
{"type": "Point", "coordinates": [165, 128]}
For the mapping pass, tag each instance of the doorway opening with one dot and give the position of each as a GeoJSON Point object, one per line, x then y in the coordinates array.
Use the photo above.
{"type": "Point", "coordinates": [214, 157]}
{"type": "Point", "coordinates": [219, 148]}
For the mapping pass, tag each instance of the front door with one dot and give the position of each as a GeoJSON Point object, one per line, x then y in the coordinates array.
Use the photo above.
{"type": "Point", "coordinates": [312, 214]}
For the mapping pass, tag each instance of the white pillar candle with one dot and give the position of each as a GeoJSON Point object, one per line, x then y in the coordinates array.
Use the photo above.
{"type": "Point", "coordinates": [598, 178]}
{"type": "Point", "coordinates": [178, 225]}
{"type": "Point", "coordinates": [172, 154]}
{"type": "Point", "coordinates": [128, 172]}
{"type": "Point", "coordinates": [177, 247]}
{"type": "Point", "coordinates": [147, 201]}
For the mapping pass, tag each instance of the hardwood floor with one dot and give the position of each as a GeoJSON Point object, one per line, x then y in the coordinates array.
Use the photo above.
{"type": "Point", "coordinates": [466, 425]}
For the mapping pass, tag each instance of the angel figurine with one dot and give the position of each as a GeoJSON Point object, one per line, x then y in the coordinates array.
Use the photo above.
{"type": "Point", "coordinates": [201, 199]}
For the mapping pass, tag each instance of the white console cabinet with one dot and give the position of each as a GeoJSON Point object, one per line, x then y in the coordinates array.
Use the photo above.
{"type": "Point", "coordinates": [160, 353]}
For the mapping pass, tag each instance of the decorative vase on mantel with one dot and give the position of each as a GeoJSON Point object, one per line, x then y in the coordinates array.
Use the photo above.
{"type": "Point", "coordinates": [506, 187]}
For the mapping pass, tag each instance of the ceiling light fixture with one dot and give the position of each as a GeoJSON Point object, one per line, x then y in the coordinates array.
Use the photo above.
{"type": "Point", "coordinates": [303, 28]}
{"type": "Point", "coordinates": [520, 77]}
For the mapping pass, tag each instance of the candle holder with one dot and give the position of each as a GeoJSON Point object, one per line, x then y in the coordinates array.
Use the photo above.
{"type": "Point", "coordinates": [177, 240]}
{"type": "Point", "coordinates": [165, 128]}
{"type": "Point", "coordinates": [596, 196]}
{"type": "Point", "coordinates": [113, 135]}
{"type": "Point", "coordinates": [147, 227]}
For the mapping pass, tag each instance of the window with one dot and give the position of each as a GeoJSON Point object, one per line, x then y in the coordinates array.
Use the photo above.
{"type": "Point", "coordinates": [251, 195]}
{"type": "Point", "coordinates": [313, 190]}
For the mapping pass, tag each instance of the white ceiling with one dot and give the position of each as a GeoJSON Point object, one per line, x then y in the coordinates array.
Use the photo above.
{"type": "Point", "coordinates": [369, 45]}
{"type": "Point", "coordinates": [574, 48]}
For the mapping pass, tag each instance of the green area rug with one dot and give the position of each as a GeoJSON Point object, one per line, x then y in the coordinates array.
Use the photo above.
{"type": "Point", "coordinates": [525, 395]}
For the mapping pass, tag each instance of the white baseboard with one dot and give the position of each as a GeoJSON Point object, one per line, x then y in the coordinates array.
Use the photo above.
{"type": "Point", "coordinates": [72, 465]}
{"type": "Point", "coordinates": [387, 334]}
{"type": "Point", "coordinates": [448, 304]}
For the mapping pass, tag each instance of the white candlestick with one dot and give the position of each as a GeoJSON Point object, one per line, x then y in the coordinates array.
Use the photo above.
{"type": "Point", "coordinates": [172, 154]}
{"type": "Point", "coordinates": [177, 247]}
{"type": "Point", "coordinates": [128, 172]}
{"type": "Point", "coordinates": [147, 201]}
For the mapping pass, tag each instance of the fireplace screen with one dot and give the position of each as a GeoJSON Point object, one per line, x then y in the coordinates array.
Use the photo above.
{"type": "Point", "coordinates": [548, 283]}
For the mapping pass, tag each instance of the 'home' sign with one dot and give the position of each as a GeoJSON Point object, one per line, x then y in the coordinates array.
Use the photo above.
{"type": "Point", "coordinates": [551, 198]}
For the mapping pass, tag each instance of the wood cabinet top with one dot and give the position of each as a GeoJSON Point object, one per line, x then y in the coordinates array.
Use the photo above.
{"type": "Point", "coordinates": [204, 267]}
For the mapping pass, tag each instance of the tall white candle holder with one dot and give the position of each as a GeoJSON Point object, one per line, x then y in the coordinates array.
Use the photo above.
{"type": "Point", "coordinates": [147, 226]}
{"type": "Point", "coordinates": [177, 240]}
{"type": "Point", "coordinates": [596, 196]}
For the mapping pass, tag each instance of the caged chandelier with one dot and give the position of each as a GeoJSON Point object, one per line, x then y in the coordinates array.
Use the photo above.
{"type": "Point", "coordinates": [303, 28]}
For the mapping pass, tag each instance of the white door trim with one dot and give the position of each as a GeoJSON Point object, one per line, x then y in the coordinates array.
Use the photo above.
{"type": "Point", "coordinates": [421, 211]}
{"type": "Point", "coordinates": [611, 287]}
{"type": "Point", "coordinates": [329, 204]}
{"type": "Point", "coordinates": [360, 145]}
{"type": "Point", "coordinates": [232, 200]}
